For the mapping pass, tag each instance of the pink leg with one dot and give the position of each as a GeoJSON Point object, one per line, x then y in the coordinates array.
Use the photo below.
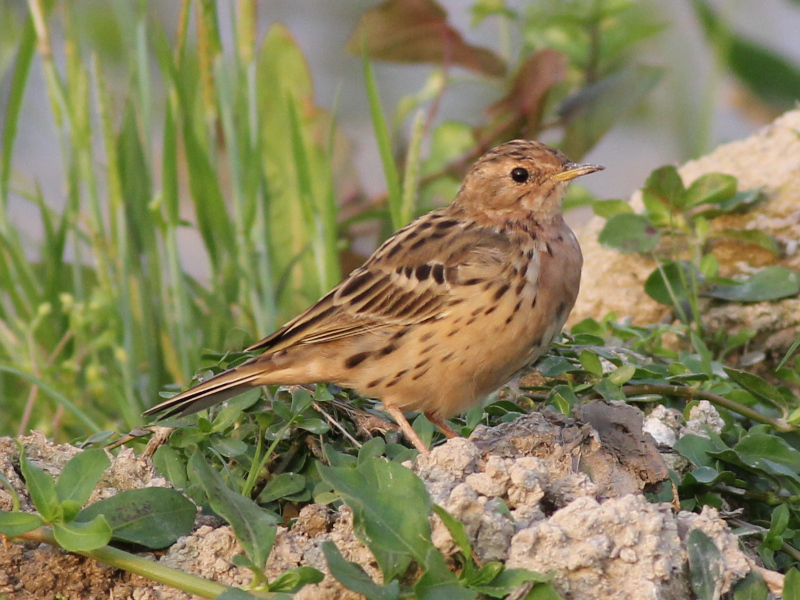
{"type": "Point", "coordinates": [442, 425]}
{"type": "Point", "coordinates": [409, 432]}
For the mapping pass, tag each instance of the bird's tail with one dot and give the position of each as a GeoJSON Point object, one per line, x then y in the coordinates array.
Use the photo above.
{"type": "Point", "coordinates": [217, 389]}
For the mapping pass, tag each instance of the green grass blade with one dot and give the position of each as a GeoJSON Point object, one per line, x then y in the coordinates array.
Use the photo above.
{"type": "Point", "coordinates": [384, 147]}
{"type": "Point", "coordinates": [55, 395]}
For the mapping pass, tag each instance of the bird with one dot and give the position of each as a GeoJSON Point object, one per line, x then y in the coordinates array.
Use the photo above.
{"type": "Point", "coordinates": [447, 310]}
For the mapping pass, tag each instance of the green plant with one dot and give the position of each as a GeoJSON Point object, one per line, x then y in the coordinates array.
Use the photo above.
{"type": "Point", "coordinates": [150, 517]}
{"type": "Point", "coordinates": [676, 222]}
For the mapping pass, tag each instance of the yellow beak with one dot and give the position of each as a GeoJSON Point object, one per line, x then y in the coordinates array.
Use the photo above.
{"type": "Point", "coordinates": [573, 170]}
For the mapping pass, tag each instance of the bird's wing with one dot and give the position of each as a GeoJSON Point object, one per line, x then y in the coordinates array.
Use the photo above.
{"type": "Point", "coordinates": [416, 275]}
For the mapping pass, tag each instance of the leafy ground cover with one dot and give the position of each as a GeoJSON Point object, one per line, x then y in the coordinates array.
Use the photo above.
{"type": "Point", "coordinates": [102, 316]}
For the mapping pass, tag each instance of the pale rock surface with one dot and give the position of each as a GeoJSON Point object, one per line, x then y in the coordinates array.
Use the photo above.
{"type": "Point", "coordinates": [770, 160]}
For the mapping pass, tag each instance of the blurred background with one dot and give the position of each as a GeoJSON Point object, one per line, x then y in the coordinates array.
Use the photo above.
{"type": "Point", "coordinates": [179, 178]}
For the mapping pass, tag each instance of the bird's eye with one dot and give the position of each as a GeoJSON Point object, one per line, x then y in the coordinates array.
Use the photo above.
{"type": "Point", "coordinates": [519, 175]}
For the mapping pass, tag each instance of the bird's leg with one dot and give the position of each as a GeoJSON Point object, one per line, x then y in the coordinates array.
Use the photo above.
{"type": "Point", "coordinates": [409, 432]}
{"type": "Point", "coordinates": [442, 425]}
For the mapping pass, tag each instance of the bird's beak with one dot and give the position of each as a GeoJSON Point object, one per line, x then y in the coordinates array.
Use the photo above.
{"type": "Point", "coordinates": [573, 170]}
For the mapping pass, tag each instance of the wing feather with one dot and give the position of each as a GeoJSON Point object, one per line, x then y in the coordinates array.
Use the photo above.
{"type": "Point", "coordinates": [402, 284]}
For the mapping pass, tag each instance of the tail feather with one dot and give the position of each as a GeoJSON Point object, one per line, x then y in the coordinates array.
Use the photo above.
{"type": "Point", "coordinates": [217, 389]}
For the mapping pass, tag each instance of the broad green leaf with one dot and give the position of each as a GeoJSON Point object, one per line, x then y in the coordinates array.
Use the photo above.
{"type": "Point", "coordinates": [697, 449]}
{"type": "Point", "coordinates": [756, 385]}
{"type": "Point", "coordinates": [509, 580]}
{"type": "Point", "coordinates": [80, 476]}
{"type": "Point", "coordinates": [281, 486]}
{"type": "Point", "coordinates": [153, 517]}
{"type": "Point", "coordinates": [424, 428]}
{"type": "Point", "coordinates": [543, 591]}
{"type": "Point", "coordinates": [675, 277]}
{"type": "Point", "coordinates": [83, 537]}
{"type": "Point", "coordinates": [628, 232]}
{"type": "Point", "coordinates": [371, 449]}
{"type": "Point", "coordinates": [390, 511]}
{"type": "Point", "coordinates": [704, 564]}
{"type": "Point", "coordinates": [553, 366]}
{"type": "Point", "coordinates": [42, 489]}
{"type": "Point", "coordinates": [771, 283]}
{"type": "Point", "coordinates": [457, 531]}
{"type": "Point", "coordinates": [749, 236]}
{"type": "Point", "coordinates": [593, 110]}
{"type": "Point", "coordinates": [712, 188]}
{"type": "Point", "coordinates": [767, 74]}
{"type": "Point", "coordinates": [292, 580]}
{"type": "Point", "coordinates": [755, 448]}
{"type": "Point", "coordinates": [438, 582]}
{"type": "Point", "coordinates": [13, 524]}
{"type": "Point", "coordinates": [352, 576]}
{"type": "Point", "coordinates": [791, 585]}
{"type": "Point", "coordinates": [254, 527]}
{"type": "Point", "coordinates": [752, 587]}
{"type": "Point", "coordinates": [609, 208]}
{"type": "Point", "coordinates": [483, 576]}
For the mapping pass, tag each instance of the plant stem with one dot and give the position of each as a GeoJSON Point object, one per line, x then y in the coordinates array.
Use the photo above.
{"type": "Point", "coordinates": [716, 399]}
{"type": "Point", "coordinates": [191, 584]}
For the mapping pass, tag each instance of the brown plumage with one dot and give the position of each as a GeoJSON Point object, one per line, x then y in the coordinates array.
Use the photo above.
{"type": "Point", "coordinates": [447, 310]}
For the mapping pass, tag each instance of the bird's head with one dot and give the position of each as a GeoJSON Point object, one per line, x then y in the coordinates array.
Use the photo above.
{"type": "Point", "coordinates": [519, 179]}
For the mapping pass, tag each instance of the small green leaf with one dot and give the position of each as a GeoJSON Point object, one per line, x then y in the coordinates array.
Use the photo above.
{"type": "Point", "coordinates": [13, 524]}
{"type": "Point", "coordinates": [749, 236]}
{"type": "Point", "coordinates": [424, 429]}
{"type": "Point", "coordinates": [771, 283]}
{"type": "Point", "coordinates": [80, 476]}
{"type": "Point", "coordinates": [83, 537]}
{"type": "Point", "coordinates": [438, 582]}
{"type": "Point", "coordinates": [712, 188]}
{"type": "Point", "coordinates": [671, 277]}
{"type": "Point", "coordinates": [153, 517]}
{"type": "Point", "coordinates": [704, 564]}
{"type": "Point", "coordinates": [628, 233]}
{"type": "Point", "coordinates": [752, 587]}
{"type": "Point", "coordinates": [11, 491]}
{"type": "Point", "coordinates": [665, 186]}
{"type": "Point", "coordinates": [301, 400]}
{"type": "Point", "coordinates": [352, 576]}
{"type": "Point", "coordinates": [371, 449]}
{"type": "Point", "coordinates": [591, 363]}
{"type": "Point", "coordinates": [254, 527]}
{"type": "Point", "coordinates": [608, 208]}
{"type": "Point", "coordinates": [457, 531]}
{"type": "Point", "coordinates": [778, 524]}
{"type": "Point", "coordinates": [42, 489]}
{"type": "Point", "coordinates": [169, 464]}
{"type": "Point", "coordinates": [281, 486]}
{"type": "Point", "coordinates": [623, 374]}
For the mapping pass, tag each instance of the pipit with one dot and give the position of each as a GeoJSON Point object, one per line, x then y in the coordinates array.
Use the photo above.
{"type": "Point", "coordinates": [446, 311]}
